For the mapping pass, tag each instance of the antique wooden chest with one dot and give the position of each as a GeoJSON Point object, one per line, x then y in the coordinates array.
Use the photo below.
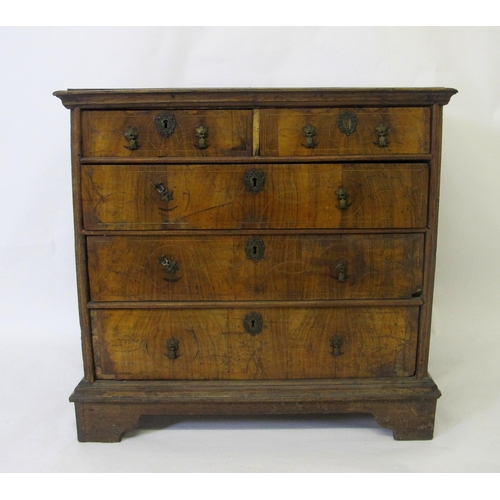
{"type": "Point", "coordinates": [255, 251]}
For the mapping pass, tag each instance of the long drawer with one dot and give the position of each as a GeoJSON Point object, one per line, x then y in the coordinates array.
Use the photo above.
{"type": "Point", "coordinates": [222, 344]}
{"type": "Point", "coordinates": [255, 267]}
{"type": "Point", "coordinates": [255, 197]}
{"type": "Point", "coordinates": [158, 133]}
{"type": "Point", "coordinates": [344, 131]}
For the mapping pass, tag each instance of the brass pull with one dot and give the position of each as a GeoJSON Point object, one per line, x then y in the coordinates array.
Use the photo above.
{"type": "Point", "coordinates": [340, 270]}
{"type": "Point", "coordinates": [342, 196]}
{"type": "Point", "coordinates": [253, 323]}
{"type": "Point", "coordinates": [254, 180]}
{"type": "Point", "coordinates": [381, 132]}
{"type": "Point", "coordinates": [202, 133]}
{"type": "Point", "coordinates": [255, 249]}
{"type": "Point", "coordinates": [335, 343]}
{"type": "Point", "coordinates": [165, 124]}
{"type": "Point", "coordinates": [170, 266]}
{"type": "Point", "coordinates": [165, 194]}
{"type": "Point", "coordinates": [172, 347]}
{"type": "Point", "coordinates": [131, 134]}
{"type": "Point", "coordinates": [309, 132]}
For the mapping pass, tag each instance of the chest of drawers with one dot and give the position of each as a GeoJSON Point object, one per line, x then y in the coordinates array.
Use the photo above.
{"type": "Point", "coordinates": [255, 251]}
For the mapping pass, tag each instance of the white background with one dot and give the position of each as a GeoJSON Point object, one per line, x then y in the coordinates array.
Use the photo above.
{"type": "Point", "coordinates": [40, 360]}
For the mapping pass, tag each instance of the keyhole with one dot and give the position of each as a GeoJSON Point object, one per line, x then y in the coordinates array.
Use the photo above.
{"type": "Point", "coordinates": [165, 122]}
{"type": "Point", "coordinates": [252, 323]}
{"type": "Point", "coordinates": [254, 249]}
{"type": "Point", "coordinates": [254, 181]}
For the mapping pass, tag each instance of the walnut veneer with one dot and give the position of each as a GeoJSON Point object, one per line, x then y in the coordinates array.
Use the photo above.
{"type": "Point", "coordinates": [255, 251]}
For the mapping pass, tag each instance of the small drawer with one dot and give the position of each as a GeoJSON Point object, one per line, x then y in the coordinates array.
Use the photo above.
{"type": "Point", "coordinates": [247, 344]}
{"type": "Point", "coordinates": [255, 267]}
{"type": "Point", "coordinates": [351, 131]}
{"type": "Point", "coordinates": [157, 133]}
{"type": "Point", "coordinates": [316, 196]}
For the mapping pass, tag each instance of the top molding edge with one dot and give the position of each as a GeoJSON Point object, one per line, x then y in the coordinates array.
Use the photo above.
{"type": "Point", "coordinates": [252, 97]}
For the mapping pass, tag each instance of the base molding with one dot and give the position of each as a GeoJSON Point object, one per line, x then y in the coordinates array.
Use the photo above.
{"type": "Point", "coordinates": [105, 410]}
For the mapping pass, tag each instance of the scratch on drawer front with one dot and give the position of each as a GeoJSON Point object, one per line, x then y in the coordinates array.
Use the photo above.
{"type": "Point", "coordinates": [196, 341]}
{"type": "Point", "coordinates": [204, 210]}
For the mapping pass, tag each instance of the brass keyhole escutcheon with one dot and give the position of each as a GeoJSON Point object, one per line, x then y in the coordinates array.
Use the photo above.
{"type": "Point", "coordinates": [255, 249]}
{"type": "Point", "coordinates": [253, 323]}
{"type": "Point", "coordinates": [165, 124]}
{"type": "Point", "coordinates": [347, 123]}
{"type": "Point", "coordinates": [254, 180]}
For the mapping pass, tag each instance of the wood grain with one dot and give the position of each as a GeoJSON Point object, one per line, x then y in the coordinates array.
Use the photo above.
{"type": "Point", "coordinates": [292, 268]}
{"type": "Point", "coordinates": [294, 344]}
{"type": "Point", "coordinates": [386, 234]}
{"type": "Point", "coordinates": [294, 196]}
{"type": "Point", "coordinates": [430, 243]}
{"type": "Point", "coordinates": [230, 98]}
{"type": "Point", "coordinates": [255, 160]}
{"type": "Point", "coordinates": [83, 288]}
{"type": "Point", "coordinates": [107, 409]}
{"type": "Point", "coordinates": [282, 135]}
{"type": "Point", "coordinates": [229, 133]}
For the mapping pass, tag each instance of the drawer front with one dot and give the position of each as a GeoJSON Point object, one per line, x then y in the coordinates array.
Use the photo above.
{"type": "Point", "coordinates": [216, 344]}
{"type": "Point", "coordinates": [353, 131]}
{"type": "Point", "coordinates": [167, 133]}
{"type": "Point", "coordinates": [255, 267]}
{"type": "Point", "coordinates": [255, 197]}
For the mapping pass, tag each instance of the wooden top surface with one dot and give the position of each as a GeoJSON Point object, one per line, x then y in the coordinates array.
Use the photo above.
{"type": "Point", "coordinates": [252, 97]}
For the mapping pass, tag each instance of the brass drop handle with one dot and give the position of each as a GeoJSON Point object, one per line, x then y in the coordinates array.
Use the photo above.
{"type": "Point", "coordinates": [165, 194]}
{"type": "Point", "coordinates": [381, 132]}
{"type": "Point", "coordinates": [170, 266]}
{"type": "Point", "coordinates": [172, 348]}
{"type": "Point", "coordinates": [336, 343]}
{"type": "Point", "coordinates": [309, 133]}
{"type": "Point", "coordinates": [341, 270]}
{"type": "Point", "coordinates": [202, 134]}
{"type": "Point", "coordinates": [342, 196]}
{"type": "Point", "coordinates": [131, 134]}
